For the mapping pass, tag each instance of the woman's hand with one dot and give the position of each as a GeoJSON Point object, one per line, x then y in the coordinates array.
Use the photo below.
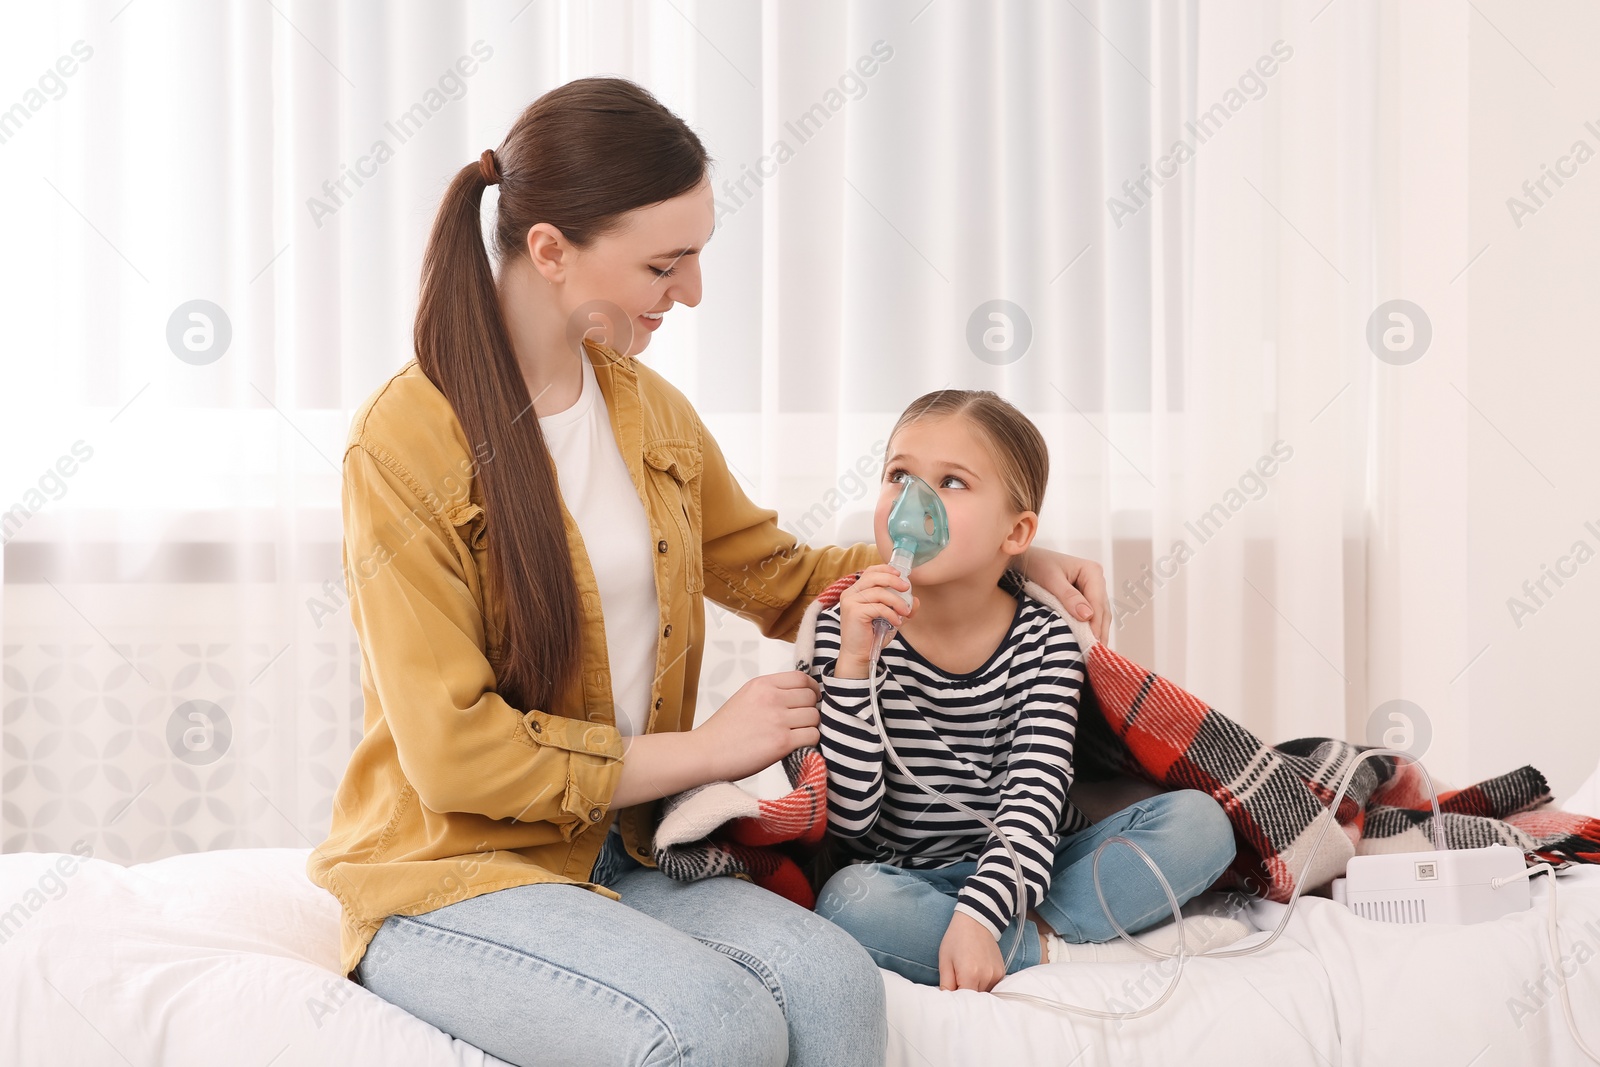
{"type": "Point", "coordinates": [769, 717]}
{"type": "Point", "coordinates": [969, 956]}
{"type": "Point", "coordinates": [873, 596]}
{"type": "Point", "coordinates": [1080, 585]}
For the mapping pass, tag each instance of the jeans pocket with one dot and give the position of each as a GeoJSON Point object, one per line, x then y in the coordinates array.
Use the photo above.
{"type": "Point", "coordinates": [613, 861]}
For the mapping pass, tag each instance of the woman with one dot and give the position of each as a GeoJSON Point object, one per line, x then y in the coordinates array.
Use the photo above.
{"type": "Point", "coordinates": [531, 523]}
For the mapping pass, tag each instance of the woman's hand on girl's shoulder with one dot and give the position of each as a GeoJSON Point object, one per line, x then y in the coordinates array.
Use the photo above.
{"type": "Point", "coordinates": [875, 595]}
{"type": "Point", "coordinates": [1080, 585]}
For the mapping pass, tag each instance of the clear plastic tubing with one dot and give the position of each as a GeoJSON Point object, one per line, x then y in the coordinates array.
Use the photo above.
{"type": "Point", "coordinates": [882, 632]}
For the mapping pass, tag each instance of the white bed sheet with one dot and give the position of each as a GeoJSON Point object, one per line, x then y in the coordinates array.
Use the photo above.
{"type": "Point", "coordinates": [231, 957]}
{"type": "Point", "coordinates": [1333, 989]}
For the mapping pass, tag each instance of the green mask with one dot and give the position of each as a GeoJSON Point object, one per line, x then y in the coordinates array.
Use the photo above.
{"type": "Point", "coordinates": [918, 526]}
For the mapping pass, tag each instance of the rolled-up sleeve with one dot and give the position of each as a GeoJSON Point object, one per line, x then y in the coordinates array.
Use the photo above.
{"type": "Point", "coordinates": [459, 743]}
{"type": "Point", "coordinates": [754, 567]}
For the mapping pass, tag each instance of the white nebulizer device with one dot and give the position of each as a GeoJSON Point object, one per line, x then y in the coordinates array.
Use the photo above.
{"type": "Point", "coordinates": [918, 530]}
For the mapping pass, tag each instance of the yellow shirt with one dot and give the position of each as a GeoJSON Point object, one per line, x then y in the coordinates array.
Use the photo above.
{"type": "Point", "coordinates": [451, 792]}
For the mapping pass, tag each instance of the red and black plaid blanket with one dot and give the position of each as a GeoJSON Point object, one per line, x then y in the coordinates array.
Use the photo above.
{"type": "Point", "coordinates": [1137, 724]}
{"type": "Point", "coordinates": [721, 828]}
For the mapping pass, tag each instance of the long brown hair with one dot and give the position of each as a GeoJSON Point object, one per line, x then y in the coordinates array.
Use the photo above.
{"type": "Point", "coordinates": [1014, 441]}
{"type": "Point", "coordinates": [578, 158]}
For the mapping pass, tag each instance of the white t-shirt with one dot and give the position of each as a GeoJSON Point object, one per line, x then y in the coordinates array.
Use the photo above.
{"type": "Point", "coordinates": [600, 494]}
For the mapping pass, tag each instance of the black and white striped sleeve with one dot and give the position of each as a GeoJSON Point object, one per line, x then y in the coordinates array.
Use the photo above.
{"type": "Point", "coordinates": [1038, 777]}
{"type": "Point", "coordinates": [852, 744]}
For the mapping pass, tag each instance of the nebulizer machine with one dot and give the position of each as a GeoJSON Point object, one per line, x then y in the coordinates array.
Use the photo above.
{"type": "Point", "coordinates": [918, 530]}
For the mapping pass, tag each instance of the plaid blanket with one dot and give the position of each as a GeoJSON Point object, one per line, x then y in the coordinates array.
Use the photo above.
{"type": "Point", "coordinates": [721, 828]}
{"type": "Point", "coordinates": [1134, 723]}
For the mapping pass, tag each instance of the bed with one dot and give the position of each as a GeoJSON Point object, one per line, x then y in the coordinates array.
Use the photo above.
{"type": "Point", "coordinates": [231, 957]}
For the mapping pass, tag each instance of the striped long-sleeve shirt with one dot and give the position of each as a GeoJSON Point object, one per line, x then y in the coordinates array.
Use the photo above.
{"type": "Point", "coordinates": [998, 738]}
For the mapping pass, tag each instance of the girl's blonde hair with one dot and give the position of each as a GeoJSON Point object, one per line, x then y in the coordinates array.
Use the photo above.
{"type": "Point", "coordinates": [1014, 441]}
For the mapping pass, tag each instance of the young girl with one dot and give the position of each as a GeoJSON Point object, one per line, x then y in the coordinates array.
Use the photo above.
{"type": "Point", "coordinates": [979, 689]}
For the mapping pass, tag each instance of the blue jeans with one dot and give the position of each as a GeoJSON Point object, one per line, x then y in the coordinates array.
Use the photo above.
{"type": "Point", "coordinates": [713, 972]}
{"type": "Point", "coordinates": [900, 915]}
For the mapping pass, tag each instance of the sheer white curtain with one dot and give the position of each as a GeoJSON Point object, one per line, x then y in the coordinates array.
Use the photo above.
{"type": "Point", "coordinates": [1176, 203]}
{"type": "Point", "coordinates": [912, 195]}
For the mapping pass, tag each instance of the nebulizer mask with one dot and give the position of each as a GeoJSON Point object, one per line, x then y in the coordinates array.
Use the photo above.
{"type": "Point", "coordinates": [918, 530]}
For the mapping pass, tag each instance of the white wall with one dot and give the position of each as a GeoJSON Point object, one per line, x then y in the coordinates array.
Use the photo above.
{"type": "Point", "coordinates": [1533, 465]}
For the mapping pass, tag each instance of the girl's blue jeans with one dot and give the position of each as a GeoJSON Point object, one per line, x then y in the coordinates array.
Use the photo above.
{"type": "Point", "coordinates": [714, 972]}
{"type": "Point", "coordinates": [900, 915]}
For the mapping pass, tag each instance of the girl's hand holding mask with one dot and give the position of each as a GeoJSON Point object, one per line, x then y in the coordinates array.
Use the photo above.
{"type": "Point", "coordinates": [875, 595]}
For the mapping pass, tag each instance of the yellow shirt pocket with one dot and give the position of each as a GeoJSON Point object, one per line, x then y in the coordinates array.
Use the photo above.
{"type": "Point", "coordinates": [675, 473]}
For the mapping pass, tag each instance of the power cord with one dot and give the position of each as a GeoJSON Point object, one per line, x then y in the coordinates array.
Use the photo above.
{"type": "Point", "coordinates": [1555, 949]}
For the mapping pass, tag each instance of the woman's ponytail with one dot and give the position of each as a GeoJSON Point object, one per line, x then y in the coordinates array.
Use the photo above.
{"type": "Point", "coordinates": [463, 348]}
